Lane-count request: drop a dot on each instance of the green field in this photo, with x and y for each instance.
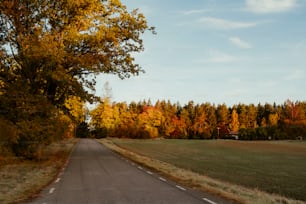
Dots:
(275, 167)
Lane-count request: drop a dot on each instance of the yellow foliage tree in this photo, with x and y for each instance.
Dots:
(150, 120)
(234, 124)
(76, 109)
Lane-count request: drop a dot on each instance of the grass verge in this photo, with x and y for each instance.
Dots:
(228, 190)
(21, 180)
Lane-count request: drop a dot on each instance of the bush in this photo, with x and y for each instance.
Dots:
(99, 133)
(8, 135)
(82, 130)
(33, 135)
(261, 133)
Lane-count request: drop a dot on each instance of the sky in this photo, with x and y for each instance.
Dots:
(218, 51)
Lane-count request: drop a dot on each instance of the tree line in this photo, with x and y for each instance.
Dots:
(199, 121)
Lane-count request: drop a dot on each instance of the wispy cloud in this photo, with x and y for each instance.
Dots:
(195, 11)
(295, 75)
(216, 56)
(240, 43)
(270, 6)
(219, 23)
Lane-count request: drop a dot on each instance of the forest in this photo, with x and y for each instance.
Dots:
(199, 121)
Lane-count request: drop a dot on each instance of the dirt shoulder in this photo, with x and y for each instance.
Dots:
(21, 180)
(232, 192)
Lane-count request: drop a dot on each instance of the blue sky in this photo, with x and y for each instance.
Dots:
(218, 51)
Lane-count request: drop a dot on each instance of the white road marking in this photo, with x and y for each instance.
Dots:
(139, 167)
(51, 190)
(180, 187)
(149, 172)
(161, 178)
(57, 180)
(209, 201)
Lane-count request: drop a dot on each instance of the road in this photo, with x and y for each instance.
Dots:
(96, 175)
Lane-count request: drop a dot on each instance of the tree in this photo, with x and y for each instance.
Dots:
(184, 123)
(273, 119)
(200, 123)
(107, 91)
(56, 45)
(252, 114)
(293, 110)
(222, 114)
(243, 116)
(75, 109)
(150, 120)
(234, 124)
(103, 118)
(53, 50)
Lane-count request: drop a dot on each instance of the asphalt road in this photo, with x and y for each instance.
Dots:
(94, 174)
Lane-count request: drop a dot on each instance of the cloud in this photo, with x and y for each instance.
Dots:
(216, 56)
(240, 43)
(295, 75)
(270, 6)
(224, 24)
(196, 11)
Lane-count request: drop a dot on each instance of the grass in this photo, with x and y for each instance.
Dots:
(273, 167)
(21, 180)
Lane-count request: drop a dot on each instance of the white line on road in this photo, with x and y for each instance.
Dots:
(57, 180)
(149, 172)
(161, 178)
(209, 201)
(139, 167)
(51, 190)
(180, 187)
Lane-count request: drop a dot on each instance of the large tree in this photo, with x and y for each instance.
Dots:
(51, 51)
(56, 47)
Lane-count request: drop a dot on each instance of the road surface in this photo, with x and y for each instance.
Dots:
(96, 175)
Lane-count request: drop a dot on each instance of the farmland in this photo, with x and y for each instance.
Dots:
(276, 167)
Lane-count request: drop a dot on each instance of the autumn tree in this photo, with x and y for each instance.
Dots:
(251, 115)
(52, 50)
(74, 115)
(150, 120)
(222, 114)
(243, 115)
(293, 111)
(234, 123)
(200, 125)
(103, 117)
(211, 119)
